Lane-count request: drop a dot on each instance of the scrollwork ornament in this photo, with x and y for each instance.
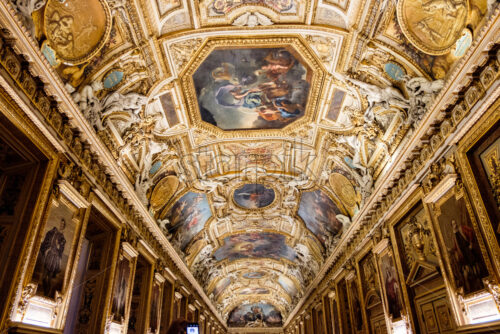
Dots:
(28, 292)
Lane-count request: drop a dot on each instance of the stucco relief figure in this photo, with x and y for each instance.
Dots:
(377, 96)
(89, 104)
(422, 92)
(51, 252)
(117, 102)
(26, 8)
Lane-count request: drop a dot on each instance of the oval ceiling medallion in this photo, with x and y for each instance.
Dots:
(254, 196)
(164, 191)
(433, 26)
(76, 30)
(344, 189)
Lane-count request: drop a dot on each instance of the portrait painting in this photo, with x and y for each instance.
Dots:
(357, 316)
(319, 213)
(120, 289)
(168, 106)
(55, 250)
(336, 105)
(287, 285)
(188, 217)
(254, 275)
(460, 241)
(255, 315)
(484, 159)
(253, 88)
(253, 291)
(253, 196)
(390, 283)
(154, 317)
(221, 286)
(255, 245)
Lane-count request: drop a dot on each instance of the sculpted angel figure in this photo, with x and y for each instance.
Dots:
(26, 8)
(88, 103)
(117, 102)
(422, 92)
(380, 96)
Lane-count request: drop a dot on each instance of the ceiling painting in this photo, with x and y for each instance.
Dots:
(254, 132)
(254, 196)
(253, 275)
(255, 315)
(258, 88)
(187, 217)
(253, 291)
(255, 245)
(319, 213)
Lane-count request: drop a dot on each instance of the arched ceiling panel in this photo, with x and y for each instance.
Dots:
(254, 133)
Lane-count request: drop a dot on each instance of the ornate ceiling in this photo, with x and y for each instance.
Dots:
(254, 131)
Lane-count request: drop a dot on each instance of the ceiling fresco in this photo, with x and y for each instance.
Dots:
(251, 88)
(254, 132)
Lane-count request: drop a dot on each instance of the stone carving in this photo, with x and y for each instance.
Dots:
(143, 180)
(376, 96)
(422, 92)
(305, 260)
(116, 102)
(183, 50)
(26, 8)
(252, 19)
(88, 103)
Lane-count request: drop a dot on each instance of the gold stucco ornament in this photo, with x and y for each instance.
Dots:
(77, 30)
(433, 26)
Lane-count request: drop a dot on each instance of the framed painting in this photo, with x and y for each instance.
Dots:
(255, 315)
(122, 287)
(356, 311)
(252, 88)
(319, 213)
(254, 246)
(58, 246)
(188, 217)
(461, 244)
(254, 196)
(391, 287)
(479, 161)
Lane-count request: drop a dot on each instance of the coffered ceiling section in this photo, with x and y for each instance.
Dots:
(254, 131)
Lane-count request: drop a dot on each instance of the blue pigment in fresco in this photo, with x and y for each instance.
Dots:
(463, 44)
(319, 213)
(253, 196)
(112, 79)
(263, 88)
(394, 71)
(255, 245)
(188, 217)
(50, 55)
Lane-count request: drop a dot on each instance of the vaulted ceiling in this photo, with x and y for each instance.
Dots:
(254, 130)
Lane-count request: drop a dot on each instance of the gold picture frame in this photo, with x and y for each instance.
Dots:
(488, 123)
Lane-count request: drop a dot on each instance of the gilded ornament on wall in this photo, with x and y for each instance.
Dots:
(433, 26)
(77, 30)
